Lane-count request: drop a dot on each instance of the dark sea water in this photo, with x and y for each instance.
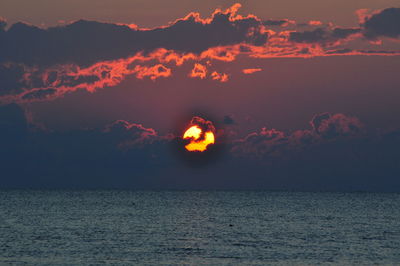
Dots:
(198, 227)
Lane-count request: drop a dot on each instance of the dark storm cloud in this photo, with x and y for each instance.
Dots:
(386, 23)
(322, 35)
(86, 42)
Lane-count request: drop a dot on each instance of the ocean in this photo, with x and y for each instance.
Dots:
(114, 227)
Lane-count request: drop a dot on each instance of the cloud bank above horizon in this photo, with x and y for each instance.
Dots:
(39, 64)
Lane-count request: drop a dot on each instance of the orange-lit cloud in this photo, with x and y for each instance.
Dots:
(224, 36)
(251, 70)
(315, 23)
(221, 77)
(153, 72)
(198, 71)
(230, 13)
(100, 41)
(59, 80)
(278, 22)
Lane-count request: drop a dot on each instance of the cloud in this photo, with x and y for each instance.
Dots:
(315, 23)
(40, 94)
(278, 22)
(25, 84)
(323, 35)
(385, 23)
(272, 142)
(316, 35)
(251, 70)
(44, 158)
(126, 155)
(88, 42)
(153, 72)
(221, 77)
(39, 64)
(204, 124)
(198, 71)
(336, 125)
(128, 134)
(260, 144)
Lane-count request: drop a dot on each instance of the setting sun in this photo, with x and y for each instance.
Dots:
(197, 141)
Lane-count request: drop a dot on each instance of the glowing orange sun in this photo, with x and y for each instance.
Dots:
(198, 140)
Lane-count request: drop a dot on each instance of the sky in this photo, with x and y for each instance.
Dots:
(300, 95)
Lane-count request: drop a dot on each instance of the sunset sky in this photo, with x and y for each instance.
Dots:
(301, 95)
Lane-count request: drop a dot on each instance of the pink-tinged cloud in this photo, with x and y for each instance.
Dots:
(362, 15)
(325, 127)
(329, 126)
(251, 70)
(259, 144)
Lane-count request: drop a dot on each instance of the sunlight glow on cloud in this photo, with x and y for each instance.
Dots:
(37, 71)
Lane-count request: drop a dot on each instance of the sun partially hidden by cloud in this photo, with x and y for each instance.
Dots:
(200, 134)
